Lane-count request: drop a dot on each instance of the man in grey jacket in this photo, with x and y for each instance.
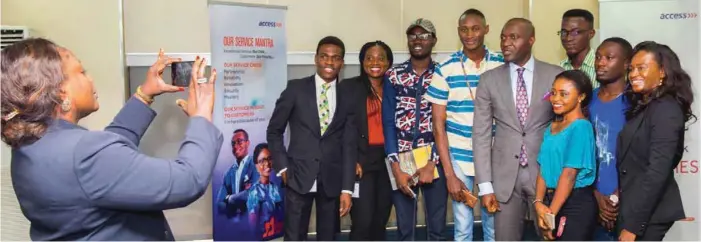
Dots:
(512, 96)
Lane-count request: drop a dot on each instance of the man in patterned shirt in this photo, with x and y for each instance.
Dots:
(576, 33)
(452, 93)
(406, 120)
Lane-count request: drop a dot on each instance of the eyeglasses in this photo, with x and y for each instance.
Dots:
(574, 33)
(424, 36)
(266, 159)
(238, 141)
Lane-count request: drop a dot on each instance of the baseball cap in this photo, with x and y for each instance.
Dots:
(424, 24)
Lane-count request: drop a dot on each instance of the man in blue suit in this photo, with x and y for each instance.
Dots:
(231, 199)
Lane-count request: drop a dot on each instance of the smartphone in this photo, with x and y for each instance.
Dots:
(550, 220)
(181, 72)
(470, 199)
(413, 195)
(614, 199)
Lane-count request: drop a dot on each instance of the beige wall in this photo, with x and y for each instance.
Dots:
(546, 15)
(91, 29)
(148, 23)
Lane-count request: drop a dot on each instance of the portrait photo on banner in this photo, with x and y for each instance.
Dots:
(249, 196)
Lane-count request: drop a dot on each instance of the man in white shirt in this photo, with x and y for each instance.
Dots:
(318, 166)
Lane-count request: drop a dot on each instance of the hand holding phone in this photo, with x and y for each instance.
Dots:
(470, 199)
(550, 220)
(614, 199)
(413, 195)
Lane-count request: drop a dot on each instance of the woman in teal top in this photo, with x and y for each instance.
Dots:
(568, 163)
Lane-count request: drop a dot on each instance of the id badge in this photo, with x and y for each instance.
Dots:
(356, 190)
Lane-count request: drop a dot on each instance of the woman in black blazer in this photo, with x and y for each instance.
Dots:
(651, 143)
(371, 210)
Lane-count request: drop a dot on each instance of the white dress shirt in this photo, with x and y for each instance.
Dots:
(527, 78)
(331, 98)
(486, 187)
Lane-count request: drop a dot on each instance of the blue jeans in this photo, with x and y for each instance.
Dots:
(435, 197)
(601, 234)
(464, 216)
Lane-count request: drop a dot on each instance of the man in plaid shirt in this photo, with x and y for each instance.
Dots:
(406, 120)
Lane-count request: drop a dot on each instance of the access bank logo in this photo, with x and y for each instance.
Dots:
(678, 16)
(270, 24)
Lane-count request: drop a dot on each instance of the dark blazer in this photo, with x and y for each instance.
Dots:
(360, 94)
(649, 147)
(76, 184)
(329, 157)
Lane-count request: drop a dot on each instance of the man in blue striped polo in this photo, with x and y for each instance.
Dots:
(452, 93)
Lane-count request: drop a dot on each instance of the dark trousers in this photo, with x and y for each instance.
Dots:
(370, 212)
(298, 209)
(576, 220)
(655, 232)
(435, 197)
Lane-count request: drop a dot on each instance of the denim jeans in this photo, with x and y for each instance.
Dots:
(464, 216)
(601, 234)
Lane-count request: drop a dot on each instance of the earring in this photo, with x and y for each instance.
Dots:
(66, 105)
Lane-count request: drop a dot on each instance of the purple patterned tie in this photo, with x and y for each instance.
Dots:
(522, 111)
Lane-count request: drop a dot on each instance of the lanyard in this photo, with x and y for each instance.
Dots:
(469, 87)
(462, 64)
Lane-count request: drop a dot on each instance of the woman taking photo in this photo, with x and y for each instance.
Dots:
(567, 161)
(371, 210)
(75, 184)
(651, 143)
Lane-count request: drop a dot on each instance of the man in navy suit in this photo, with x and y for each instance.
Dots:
(232, 195)
(318, 167)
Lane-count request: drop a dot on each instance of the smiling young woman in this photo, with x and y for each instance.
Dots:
(568, 163)
(371, 210)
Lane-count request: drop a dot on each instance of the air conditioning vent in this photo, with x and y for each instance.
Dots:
(12, 34)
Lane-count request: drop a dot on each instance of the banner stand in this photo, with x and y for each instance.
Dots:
(248, 50)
